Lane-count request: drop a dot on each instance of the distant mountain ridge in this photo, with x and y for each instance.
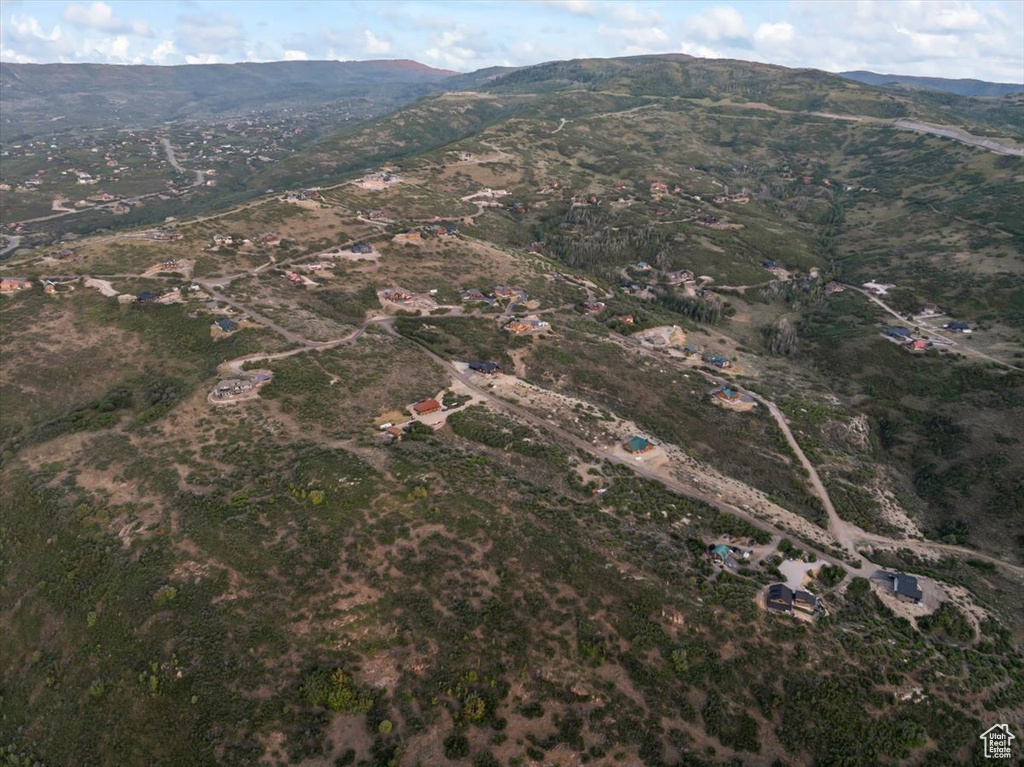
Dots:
(98, 94)
(961, 87)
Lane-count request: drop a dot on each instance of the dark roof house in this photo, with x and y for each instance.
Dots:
(780, 598)
(898, 332)
(227, 325)
(805, 601)
(905, 587)
(489, 368)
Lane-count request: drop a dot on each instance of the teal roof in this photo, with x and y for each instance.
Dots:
(637, 444)
(722, 551)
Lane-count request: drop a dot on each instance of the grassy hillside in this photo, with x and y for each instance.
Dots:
(278, 579)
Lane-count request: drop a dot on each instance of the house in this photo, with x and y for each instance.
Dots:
(361, 247)
(517, 207)
(769, 264)
(295, 279)
(12, 284)
(473, 295)
(426, 406)
(504, 291)
(518, 327)
(223, 239)
(733, 399)
(806, 602)
(905, 588)
(226, 325)
(833, 287)
(592, 307)
(719, 553)
(146, 297)
(232, 387)
(395, 295)
(919, 346)
(898, 334)
(269, 238)
(676, 278)
(957, 326)
(638, 445)
(658, 187)
(65, 254)
(487, 368)
(626, 319)
(535, 247)
(375, 215)
(394, 431)
(779, 598)
(690, 349)
(642, 265)
(717, 360)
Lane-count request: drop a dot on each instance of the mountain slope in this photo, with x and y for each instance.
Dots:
(961, 87)
(98, 94)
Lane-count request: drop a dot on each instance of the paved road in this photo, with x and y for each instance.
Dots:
(173, 160)
(963, 137)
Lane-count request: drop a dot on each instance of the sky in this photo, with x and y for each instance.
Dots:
(983, 39)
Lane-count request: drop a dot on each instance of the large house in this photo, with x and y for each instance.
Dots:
(781, 598)
(12, 284)
(638, 445)
(423, 407)
(733, 399)
(487, 368)
(905, 588)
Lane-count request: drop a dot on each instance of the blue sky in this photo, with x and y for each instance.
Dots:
(923, 37)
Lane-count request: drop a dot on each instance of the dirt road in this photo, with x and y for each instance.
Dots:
(967, 350)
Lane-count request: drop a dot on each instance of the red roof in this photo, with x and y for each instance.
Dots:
(427, 406)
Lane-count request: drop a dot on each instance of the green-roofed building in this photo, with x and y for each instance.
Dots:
(638, 445)
(720, 553)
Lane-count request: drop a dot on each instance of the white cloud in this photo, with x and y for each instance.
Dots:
(214, 33)
(100, 16)
(163, 51)
(113, 48)
(294, 55)
(700, 51)
(636, 40)
(13, 56)
(203, 58)
(579, 7)
(779, 33)
(635, 14)
(374, 45)
(28, 26)
(720, 22)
